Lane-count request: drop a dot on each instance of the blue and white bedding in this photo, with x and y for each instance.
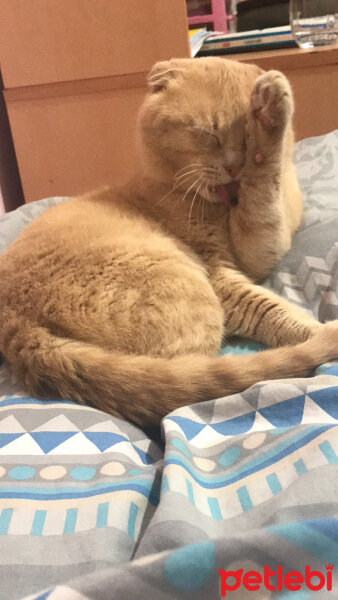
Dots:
(94, 508)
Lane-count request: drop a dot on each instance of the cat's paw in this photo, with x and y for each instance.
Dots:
(271, 100)
(324, 344)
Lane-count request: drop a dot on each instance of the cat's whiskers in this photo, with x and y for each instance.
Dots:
(199, 203)
(174, 207)
(188, 190)
(203, 200)
(185, 174)
(205, 181)
(181, 199)
(204, 170)
(183, 178)
(208, 184)
(164, 197)
(206, 198)
(189, 178)
(193, 201)
(173, 189)
(188, 167)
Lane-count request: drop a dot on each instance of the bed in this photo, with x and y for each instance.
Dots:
(94, 508)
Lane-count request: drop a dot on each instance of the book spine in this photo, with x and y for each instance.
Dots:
(258, 41)
(235, 50)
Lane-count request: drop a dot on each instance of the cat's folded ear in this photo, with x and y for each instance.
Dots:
(161, 74)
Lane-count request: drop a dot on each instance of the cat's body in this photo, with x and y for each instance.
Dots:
(121, 298)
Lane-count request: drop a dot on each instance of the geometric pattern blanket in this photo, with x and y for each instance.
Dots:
(235, 497)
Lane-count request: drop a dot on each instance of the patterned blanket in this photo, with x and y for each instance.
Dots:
(235, 498)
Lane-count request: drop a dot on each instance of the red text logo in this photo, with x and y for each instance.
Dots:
(276, 580)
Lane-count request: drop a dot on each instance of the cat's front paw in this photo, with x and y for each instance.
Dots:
(271, 100)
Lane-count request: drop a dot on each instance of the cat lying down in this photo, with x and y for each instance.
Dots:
(121, 298)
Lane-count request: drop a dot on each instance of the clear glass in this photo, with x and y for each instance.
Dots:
(314, 22)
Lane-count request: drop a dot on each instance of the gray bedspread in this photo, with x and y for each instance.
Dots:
(92, 508)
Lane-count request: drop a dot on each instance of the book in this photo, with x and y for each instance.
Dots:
(197, 37)
(259, 39)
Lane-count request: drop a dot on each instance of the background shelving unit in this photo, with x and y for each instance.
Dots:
(217, 16)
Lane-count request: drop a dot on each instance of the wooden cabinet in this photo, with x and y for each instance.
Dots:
(74, 77)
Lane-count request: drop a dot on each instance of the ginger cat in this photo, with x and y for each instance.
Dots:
(121, 298)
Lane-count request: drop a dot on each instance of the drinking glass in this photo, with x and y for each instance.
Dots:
(314, 22)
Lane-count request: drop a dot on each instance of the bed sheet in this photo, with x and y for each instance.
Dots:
(92, 507)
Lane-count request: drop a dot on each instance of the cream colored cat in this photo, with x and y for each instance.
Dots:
(121, 298)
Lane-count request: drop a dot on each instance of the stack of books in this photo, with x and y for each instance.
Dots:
(259, 39)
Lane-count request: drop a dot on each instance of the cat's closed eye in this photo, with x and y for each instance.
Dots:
(206, 139)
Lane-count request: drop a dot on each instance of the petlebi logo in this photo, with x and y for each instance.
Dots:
(275, 580)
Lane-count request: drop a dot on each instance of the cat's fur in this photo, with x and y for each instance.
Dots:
(121, 298)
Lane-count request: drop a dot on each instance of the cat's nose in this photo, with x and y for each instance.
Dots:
(232, 170)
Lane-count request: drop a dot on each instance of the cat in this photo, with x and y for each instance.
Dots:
(121, 298)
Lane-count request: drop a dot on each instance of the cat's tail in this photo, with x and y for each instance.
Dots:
(144, 389)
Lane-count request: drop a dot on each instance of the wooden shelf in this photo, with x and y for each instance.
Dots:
(313, 75)
(290, 58)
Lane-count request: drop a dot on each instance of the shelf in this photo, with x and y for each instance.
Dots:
(291, 58)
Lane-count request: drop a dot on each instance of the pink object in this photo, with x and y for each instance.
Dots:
(218, 17)
(259, 158)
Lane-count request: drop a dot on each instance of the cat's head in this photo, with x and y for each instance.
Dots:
(192, 123)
